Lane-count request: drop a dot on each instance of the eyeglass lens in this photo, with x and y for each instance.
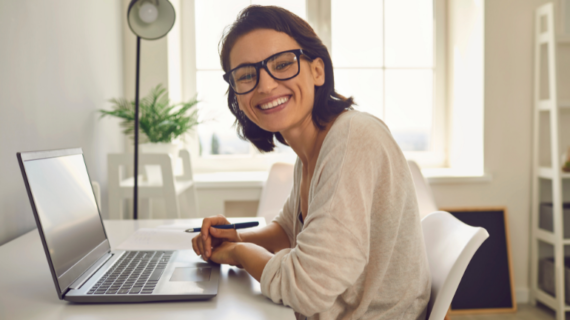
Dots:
(281, 67)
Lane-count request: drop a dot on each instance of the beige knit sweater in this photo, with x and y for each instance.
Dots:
(360, 252)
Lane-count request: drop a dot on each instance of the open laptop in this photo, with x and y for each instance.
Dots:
(83, 266)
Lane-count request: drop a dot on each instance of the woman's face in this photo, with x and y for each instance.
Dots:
(276, 105)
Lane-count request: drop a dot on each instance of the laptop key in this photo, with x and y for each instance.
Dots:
(156, 275)
(123, 291)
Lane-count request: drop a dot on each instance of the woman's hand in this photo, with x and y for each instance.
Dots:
(225, 253)
(210, 237)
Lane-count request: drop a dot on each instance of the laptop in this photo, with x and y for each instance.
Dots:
(82, 264)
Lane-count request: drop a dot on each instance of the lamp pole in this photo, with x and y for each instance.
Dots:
(136, 185)
(150, 20)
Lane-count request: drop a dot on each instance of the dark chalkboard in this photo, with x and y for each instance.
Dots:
(487, 285)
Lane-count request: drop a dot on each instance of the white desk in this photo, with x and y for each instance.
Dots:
(27, 290)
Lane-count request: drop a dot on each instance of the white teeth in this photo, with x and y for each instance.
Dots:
(274, 103)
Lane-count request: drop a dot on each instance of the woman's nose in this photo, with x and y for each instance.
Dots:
(266, 82)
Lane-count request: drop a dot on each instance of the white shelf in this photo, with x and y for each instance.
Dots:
(545, 105)
(554, 107)
(545, 236)
(546, 298)
(548, 173)
(548, 237)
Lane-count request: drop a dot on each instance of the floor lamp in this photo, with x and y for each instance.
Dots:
(149, 20)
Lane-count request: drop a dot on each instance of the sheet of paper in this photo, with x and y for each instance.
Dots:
(179, 227)
(158, 239)
(197, 223)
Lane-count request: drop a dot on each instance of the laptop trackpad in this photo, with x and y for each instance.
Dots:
(191, 274)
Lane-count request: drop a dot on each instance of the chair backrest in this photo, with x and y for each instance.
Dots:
(450, 245)
(426, 201)
(276, 190)
(118, 162)
(161, 183)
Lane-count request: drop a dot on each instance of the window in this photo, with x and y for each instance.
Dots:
(388, 55)
(391, 70)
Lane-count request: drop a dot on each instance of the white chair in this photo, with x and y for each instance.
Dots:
(450, 245)
(165, 185)
(426, 201)
(275, 191)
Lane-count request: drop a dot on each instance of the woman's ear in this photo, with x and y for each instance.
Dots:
(318, 71)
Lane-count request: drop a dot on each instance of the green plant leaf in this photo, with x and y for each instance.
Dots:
(159, 121)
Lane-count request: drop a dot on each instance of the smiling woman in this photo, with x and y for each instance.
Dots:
(348, 241)
(275, 27)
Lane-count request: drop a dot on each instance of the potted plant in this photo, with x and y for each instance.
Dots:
(160, 123)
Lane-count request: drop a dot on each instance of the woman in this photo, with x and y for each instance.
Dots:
(348, 242)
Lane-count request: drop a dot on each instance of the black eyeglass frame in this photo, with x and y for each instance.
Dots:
(263, 64)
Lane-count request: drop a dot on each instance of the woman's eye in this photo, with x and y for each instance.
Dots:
(282, 65)
(246, 77)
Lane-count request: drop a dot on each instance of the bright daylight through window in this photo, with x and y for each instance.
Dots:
(383, 55)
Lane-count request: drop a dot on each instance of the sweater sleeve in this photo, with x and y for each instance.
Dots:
(333, 248)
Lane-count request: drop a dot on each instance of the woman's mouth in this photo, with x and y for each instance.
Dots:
(274, 103)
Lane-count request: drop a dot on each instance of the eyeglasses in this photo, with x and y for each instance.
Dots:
(280, 66)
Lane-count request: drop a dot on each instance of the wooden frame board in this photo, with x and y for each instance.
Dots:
(487, 264)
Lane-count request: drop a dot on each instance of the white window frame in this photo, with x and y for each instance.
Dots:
(319, 16)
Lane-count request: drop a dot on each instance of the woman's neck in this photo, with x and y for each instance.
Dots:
(306, 140)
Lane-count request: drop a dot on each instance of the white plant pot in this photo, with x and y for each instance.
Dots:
(171, 148)
(153, 172)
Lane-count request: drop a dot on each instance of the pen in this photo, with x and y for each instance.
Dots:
(240, 225)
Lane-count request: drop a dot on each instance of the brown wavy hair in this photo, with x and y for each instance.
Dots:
(328, 103)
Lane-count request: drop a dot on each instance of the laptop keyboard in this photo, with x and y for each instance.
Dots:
(137, 272)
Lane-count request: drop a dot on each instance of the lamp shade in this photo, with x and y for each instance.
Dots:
(151, 19)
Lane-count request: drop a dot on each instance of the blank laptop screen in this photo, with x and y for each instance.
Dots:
(66, 206)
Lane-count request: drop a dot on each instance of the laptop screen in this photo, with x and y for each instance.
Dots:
(66, 207)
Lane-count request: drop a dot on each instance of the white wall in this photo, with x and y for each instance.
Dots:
(60, 61)
(508, 79)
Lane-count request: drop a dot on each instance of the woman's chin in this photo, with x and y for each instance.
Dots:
(272, 125)
(272, 128)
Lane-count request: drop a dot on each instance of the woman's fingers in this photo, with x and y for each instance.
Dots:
(226, 234)
(212, 221)
(208, 246)
(205, 233)
(196, 245)
(212, 237)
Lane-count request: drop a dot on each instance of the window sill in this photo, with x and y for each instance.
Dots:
(232, 179)
(256, 179)
(450, 176)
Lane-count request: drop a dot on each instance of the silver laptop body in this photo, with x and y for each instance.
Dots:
(82, 264)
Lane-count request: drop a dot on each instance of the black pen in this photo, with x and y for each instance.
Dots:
(240, 225)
